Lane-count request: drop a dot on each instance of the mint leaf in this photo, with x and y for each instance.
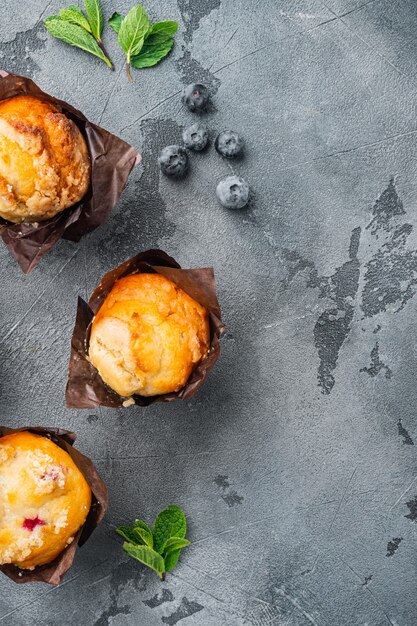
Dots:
(73, 7)
(172, 550)
(75, 17)
(152, 54)
(160, 548)
(141, 524)
(173, 544)
(161, 31)
(95, 17)
(74, 35)
(132, 33)
(158, 43)
(144, 535)
(171, 560)
(171, 522)
(147, 556)
(115, 21)
(130, 535)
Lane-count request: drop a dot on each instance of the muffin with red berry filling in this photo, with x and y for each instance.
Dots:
(44, 500)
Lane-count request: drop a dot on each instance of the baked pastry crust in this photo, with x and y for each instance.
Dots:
(44, 500)
(148, 336)
(44, 160)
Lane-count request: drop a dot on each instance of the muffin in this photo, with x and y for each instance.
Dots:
(44, 500)
(148, 336)
(44, 160)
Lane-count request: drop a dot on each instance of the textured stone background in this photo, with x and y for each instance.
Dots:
(296, 463)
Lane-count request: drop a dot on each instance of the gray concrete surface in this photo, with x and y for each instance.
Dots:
(296, 463)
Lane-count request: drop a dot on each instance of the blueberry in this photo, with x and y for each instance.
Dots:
(195, 97)
(233, 192)
(195, 137)
(173, 161)
(228, 144)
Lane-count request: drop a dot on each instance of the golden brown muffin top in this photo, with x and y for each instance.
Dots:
(148, 336)
(44, 500)
(44, 161)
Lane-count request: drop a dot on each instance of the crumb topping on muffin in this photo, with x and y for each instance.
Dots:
(44, 161)
(44, 500)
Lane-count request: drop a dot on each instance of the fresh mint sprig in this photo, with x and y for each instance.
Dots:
(72, 26)
(160, 547)
(144, 44)
(132, 33)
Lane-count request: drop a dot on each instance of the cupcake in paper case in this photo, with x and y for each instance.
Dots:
(150, 333)
(51, 498)
(60, 174)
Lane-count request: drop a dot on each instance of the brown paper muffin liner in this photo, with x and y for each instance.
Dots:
(53, 572)
(112, 160)
(85, 388)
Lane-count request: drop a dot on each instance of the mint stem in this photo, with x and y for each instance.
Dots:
(162, 577)
(103, 49)
(129, 75)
